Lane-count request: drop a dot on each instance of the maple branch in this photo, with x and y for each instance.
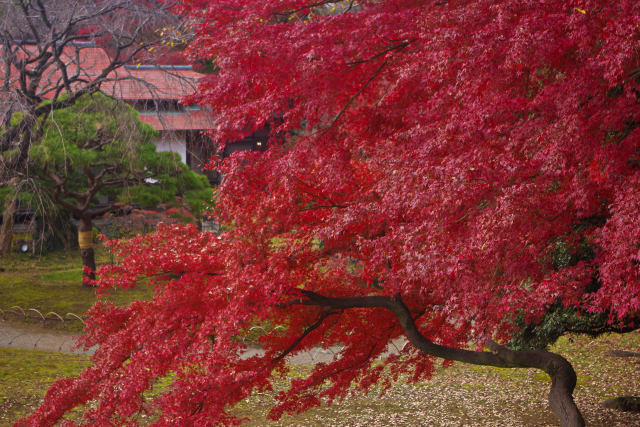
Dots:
(363, 360)
(311, 6)
(313, 208)
(563, 376)
(537, 213)
(399, 46)
(317, 196)
(350, 101)
(306, 332)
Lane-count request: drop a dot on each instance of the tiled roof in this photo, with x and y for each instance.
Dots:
(152, 83)
(89, 60)
(187, 120)
(130, 82)
(135, 83)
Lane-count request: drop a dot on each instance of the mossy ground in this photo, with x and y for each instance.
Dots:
(460, 395)
(52, 283)
(25, 376)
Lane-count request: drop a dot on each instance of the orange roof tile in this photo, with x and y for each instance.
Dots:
(128, 83)
(187, 120)
(151, 82)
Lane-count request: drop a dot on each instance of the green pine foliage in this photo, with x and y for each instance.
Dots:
(99, 133)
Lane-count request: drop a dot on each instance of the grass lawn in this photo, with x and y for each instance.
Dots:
(53, 283)
(460, 395)
(25, 376)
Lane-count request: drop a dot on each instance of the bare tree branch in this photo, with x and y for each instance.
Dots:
(306, 332)
(41, 45)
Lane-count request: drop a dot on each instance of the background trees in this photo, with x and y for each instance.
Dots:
(465, 169)
(43, 56)
(95, 153)
(41, 44)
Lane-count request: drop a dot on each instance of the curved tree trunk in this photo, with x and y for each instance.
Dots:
(563, 376)
(86, 251)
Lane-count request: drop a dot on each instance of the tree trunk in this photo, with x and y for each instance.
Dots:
(6, 232)
(85, 240)
(563, 376)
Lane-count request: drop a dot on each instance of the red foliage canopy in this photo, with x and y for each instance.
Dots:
(430, 158)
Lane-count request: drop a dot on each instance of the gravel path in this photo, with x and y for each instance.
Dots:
(29, 337)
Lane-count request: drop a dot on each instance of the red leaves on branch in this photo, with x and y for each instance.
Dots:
(440, 151)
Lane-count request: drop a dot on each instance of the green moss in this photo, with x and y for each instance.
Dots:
(73, 275)
(53, 283)
(25, 376)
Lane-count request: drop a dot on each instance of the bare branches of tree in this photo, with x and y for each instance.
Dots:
(53, 52)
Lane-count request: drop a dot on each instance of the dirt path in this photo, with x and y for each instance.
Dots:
(28, 337)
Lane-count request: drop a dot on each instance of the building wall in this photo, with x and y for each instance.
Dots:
(172, 141)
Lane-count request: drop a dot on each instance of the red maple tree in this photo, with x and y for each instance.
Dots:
(431, 158)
